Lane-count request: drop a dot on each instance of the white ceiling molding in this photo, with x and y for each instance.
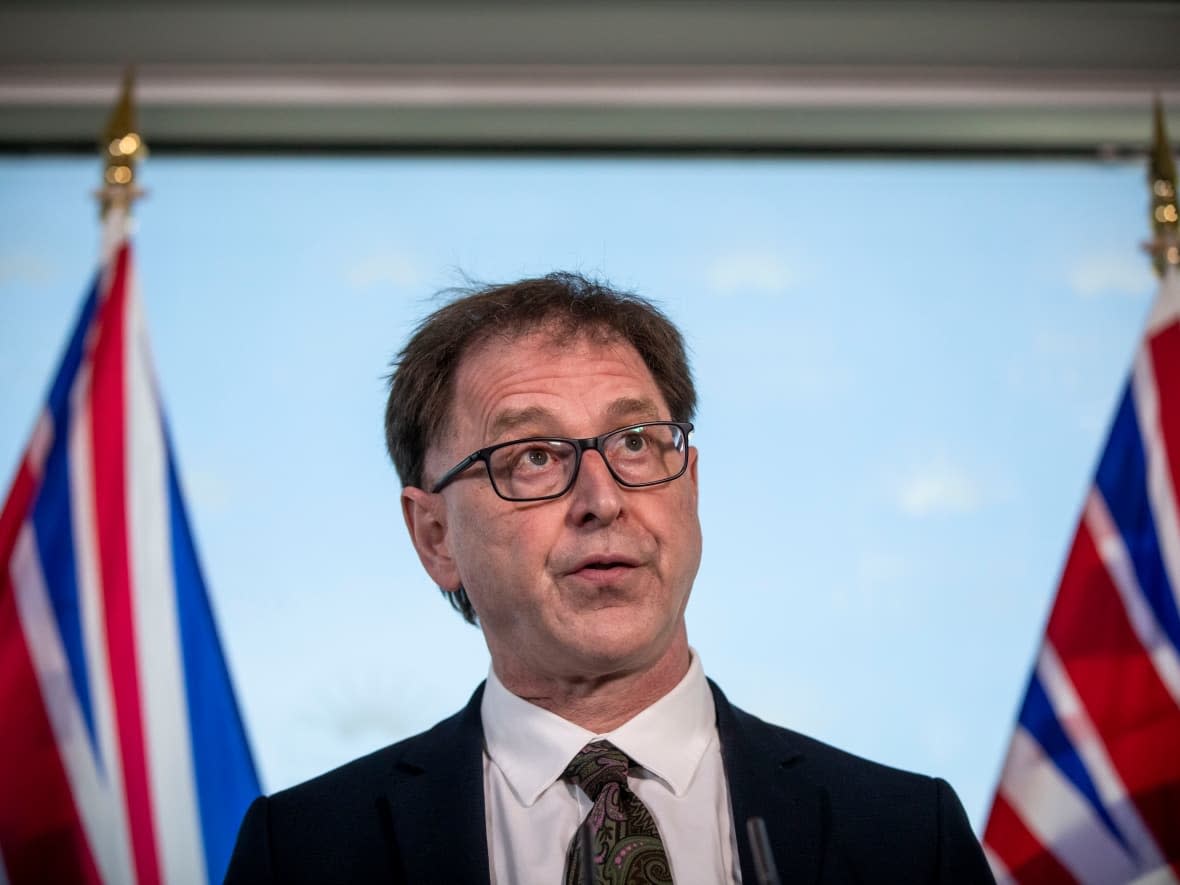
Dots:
(1072, 76)
(578, 86)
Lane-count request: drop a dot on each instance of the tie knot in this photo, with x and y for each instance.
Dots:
(597, 765)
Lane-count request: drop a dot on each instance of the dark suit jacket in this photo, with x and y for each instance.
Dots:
(414, 813)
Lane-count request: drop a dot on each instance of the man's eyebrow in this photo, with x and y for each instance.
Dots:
(623, 410)
(633, 408)
(510, 420)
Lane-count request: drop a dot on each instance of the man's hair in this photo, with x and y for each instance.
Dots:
(566, 305)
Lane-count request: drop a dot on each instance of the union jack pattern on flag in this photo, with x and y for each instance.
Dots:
(1090, 788)
(122, 752)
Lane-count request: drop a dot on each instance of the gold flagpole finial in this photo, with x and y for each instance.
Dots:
(1161, 173)
(122, 149)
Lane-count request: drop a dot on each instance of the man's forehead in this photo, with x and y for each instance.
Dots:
(506, 349)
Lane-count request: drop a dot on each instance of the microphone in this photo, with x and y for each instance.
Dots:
(764, 867)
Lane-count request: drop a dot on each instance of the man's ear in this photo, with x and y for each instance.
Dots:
(426, 519)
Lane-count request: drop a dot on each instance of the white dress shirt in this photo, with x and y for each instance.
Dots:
(532, 814)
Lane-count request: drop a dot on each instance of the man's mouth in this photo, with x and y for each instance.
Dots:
(603, 570)
(604, 562)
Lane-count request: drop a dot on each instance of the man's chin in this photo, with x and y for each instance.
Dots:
(616, 640)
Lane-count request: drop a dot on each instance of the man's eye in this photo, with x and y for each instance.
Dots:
(537, 457)
(534, 459)
(634, 442)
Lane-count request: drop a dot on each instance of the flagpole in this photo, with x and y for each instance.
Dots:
(1164, 246)
(121, 148)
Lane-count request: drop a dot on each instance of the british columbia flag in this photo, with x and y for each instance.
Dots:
(123, 758)
(1090, 788)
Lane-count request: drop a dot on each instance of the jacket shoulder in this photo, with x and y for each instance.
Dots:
(339, 826)
(832, 766)
(876, 822)
(816, 760)
(359, 778)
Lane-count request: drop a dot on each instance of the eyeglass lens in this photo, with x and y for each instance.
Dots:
(637, 456)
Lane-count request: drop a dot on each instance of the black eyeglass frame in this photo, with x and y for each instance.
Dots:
(588, 444)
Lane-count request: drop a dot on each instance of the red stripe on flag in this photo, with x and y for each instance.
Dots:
(1164, 350)
(20, 499)
(1120, 689)
(41, 835)
(1022, 853)
(108, 430)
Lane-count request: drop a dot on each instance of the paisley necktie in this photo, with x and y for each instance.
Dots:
(627, 849)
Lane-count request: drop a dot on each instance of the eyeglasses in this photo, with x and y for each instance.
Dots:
(538, 468)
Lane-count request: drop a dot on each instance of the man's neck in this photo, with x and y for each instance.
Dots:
(602, 703)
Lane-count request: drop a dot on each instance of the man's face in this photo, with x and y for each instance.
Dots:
(588, 585)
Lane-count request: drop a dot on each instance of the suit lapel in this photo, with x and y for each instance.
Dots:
(436, 802)
(766, 779)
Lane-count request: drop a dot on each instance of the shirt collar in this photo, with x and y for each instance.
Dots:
(532, 746)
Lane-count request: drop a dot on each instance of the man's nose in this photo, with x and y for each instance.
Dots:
(595, 495)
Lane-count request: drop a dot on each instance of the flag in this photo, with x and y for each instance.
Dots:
(123, 757)
(1090, 787)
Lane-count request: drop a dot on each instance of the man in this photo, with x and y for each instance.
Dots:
(540, 431)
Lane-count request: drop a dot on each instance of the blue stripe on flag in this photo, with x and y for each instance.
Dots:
(55, 545)
(1122, 479)
(222, 764)
(59, 394)
(53, 524)
(1039, 720)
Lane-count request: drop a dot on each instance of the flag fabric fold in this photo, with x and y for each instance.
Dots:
(123, 757)
(1090, 787)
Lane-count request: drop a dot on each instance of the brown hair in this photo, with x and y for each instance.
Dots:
(421, 385)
